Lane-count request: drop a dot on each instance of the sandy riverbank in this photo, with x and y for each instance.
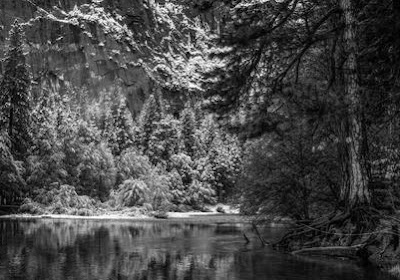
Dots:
(230, 215)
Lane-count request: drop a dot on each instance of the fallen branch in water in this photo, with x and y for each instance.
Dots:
(352, 252)
(245, 237)
(263, 242)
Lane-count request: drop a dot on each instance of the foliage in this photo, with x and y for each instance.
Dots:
(205, 134)
(395, 270)
(31, 207)
(224, 160)
(164, 141)
(297, 177)
(46, 169)
(142, 184)
(159, 186)
(64, 195)
(188, 130)
(199, 193)
(14, 94)
(160, 162)
(187, 184)
(151, 114)
(57, 199)
(68, 149)
(56, 151)
(11, 180)
(131, 192)
(185, 166)
(177, 188)
(303, 63)
(118, 127)
(96, 171)
(76, 149)
(132, 164)
(151, 190)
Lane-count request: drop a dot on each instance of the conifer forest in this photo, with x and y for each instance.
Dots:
(271, 111)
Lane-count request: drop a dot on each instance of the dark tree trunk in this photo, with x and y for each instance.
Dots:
(354, 190)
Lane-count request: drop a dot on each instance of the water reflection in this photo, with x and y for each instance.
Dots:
(87, 249)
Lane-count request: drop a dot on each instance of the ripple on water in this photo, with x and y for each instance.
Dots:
(90, 249)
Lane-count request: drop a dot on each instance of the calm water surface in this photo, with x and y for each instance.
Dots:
(89, 249)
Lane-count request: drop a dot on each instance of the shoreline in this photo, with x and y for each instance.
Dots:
(172, 216)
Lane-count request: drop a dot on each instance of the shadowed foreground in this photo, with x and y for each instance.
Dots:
(89, 249)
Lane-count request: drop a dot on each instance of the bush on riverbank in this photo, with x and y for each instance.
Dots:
(60, 199)
(31, 207)
(144, 196)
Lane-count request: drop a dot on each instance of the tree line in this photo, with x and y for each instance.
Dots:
(64, 150)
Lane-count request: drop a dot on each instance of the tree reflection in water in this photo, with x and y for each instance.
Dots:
(88, 249)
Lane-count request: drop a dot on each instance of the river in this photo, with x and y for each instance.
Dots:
(89, 249)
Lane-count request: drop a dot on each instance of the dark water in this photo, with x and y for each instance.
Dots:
(87, 249)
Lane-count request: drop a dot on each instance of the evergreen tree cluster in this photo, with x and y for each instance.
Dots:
(57, 145)
(66, 146)
(158, 163)
(14, 87)
(15, 134)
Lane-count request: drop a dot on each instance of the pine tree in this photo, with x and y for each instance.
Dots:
(14, 94)
(11, 181)
(121, 136)
(188, 138)
(152, 113)
(164, 140)
(205, 135)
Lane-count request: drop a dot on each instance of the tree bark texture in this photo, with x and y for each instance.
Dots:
(354, 189)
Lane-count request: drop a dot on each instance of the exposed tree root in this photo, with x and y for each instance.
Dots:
(362, 233)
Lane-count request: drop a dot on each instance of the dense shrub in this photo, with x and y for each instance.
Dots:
(132, 192)
(163, 142)
(31, 207)
(63, 195)
(160, 190)
(177, 189)
(57, 199)
(185, 166)
(132, 164)
(46, 169)
(198, 194)
(97, 171)
(151, 190)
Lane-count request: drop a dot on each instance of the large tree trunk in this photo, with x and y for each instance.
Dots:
(354, 189)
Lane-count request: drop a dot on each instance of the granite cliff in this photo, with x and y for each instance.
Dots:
(132, 45)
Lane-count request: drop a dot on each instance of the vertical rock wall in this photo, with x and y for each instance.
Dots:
(96, 45)
(80, 54)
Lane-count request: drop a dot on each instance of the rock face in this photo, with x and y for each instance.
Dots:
(96, 45)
